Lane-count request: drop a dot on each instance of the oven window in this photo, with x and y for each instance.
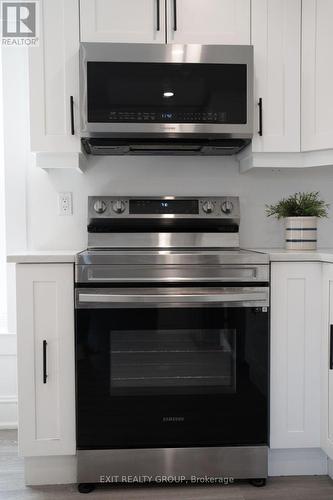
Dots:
(178, 359)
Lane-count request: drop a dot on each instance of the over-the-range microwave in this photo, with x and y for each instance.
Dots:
(165, 99)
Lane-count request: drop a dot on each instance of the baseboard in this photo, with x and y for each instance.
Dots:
(297, 462)
(8, 389)
(8, 412)
(50, 470)
(330, 468)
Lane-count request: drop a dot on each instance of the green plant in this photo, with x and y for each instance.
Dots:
(299, 205)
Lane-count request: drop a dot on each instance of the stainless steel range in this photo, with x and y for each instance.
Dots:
(172, 343)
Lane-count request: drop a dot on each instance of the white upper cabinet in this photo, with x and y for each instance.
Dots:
(123, 21)
(209, 21)
(317, 75)
(296, 319)
(46, 364)
(187, 21)
(276, 32)
(54, 80)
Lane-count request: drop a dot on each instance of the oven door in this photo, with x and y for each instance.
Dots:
(171, 367)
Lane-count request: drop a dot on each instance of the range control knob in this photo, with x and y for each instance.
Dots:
(208, 207)
(99, 206)
(118, 206)
(227, 207)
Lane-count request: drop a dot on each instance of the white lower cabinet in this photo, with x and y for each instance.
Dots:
(296, 314)
(327, 363)
(46, 368)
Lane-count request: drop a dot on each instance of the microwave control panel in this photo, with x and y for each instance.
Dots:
(167, 117)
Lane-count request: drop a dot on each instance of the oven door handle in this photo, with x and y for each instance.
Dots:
(114, 298)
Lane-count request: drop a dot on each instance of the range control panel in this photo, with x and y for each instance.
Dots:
(224, 207)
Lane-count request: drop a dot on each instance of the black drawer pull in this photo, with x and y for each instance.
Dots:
(72, 115)
(331, 348)
(260, 116)
(174, 15)
(44, 362)
(158, 27)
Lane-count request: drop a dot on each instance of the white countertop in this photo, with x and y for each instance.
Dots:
(42, 256)
(282, 255)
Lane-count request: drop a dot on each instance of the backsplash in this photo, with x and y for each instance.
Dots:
(153, 176)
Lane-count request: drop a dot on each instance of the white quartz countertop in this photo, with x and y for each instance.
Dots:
(42, 256)
(282, 255)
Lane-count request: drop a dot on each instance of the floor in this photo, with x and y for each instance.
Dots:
(283, 488)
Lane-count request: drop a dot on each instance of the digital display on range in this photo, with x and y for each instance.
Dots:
(163, 207)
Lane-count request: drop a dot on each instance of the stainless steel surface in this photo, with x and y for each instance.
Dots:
(232, 217)
(172, 297)
(163, 240)
(186, 258)
(168, 273)
(209, 207)
(172, 53)
(219, 462)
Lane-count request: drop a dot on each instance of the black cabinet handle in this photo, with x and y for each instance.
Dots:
(72, 115)
(158, 15)
(331, 348)
(174, 15)
(44, 362)
(260, 116)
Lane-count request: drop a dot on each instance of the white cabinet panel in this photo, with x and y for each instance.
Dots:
(46, 314)
(53, 76)
(295, 355)
(317, 75)
(327, 372)
(276, 32)
(123, 21)
(209, 21)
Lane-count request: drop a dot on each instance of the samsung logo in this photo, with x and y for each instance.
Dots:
(173, 419)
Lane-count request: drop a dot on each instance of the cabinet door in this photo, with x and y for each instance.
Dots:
(46, 314)
(122, 21)
(276, 31)
(53, 75)
(209, 21)
(327, 371)
(317, 75)
(295, 355)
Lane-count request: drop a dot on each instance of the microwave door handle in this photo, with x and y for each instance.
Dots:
(183, 298)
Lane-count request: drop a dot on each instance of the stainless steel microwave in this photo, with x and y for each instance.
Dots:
(165, 99)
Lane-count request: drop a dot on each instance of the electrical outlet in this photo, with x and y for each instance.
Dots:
(65, 204)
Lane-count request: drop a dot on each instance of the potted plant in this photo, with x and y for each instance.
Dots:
(300, 212)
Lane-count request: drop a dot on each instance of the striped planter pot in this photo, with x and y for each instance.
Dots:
(301, 233)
